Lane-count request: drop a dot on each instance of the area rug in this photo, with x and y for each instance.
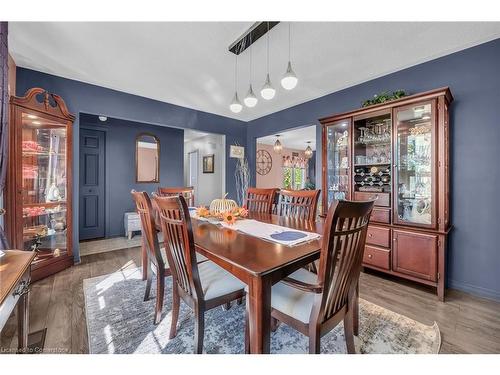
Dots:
(119, 321)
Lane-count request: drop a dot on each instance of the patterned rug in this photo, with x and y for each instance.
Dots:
(119, 321)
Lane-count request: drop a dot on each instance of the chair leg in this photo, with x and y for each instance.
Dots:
(275, 323)
(176, 302)
(314, 342)
(199, 330)
(145, 260)
(349, 332)
(160, 292)
(355, 312)
(149, 275)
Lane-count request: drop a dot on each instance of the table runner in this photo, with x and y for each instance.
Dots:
(271, 232)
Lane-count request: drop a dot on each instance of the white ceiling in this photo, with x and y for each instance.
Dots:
(295, 139)
(190, 135)
(187, 63)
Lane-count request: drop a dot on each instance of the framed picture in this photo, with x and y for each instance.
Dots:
(237, 152)
(208, 164)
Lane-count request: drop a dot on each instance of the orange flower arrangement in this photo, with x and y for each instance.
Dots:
(229, 217)
(240, 212)
(202, 212)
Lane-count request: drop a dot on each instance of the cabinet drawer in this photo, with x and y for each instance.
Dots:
(381, 199)
(377, 257)
(381, 215)
(378, 236)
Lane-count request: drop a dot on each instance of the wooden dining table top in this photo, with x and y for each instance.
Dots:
(251, 254)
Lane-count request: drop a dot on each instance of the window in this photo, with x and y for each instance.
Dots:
(294, 178)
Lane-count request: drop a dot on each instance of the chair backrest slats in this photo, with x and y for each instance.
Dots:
(300, 204)
(145, 210)
(260, 200)
(179, 243)
(341, 255)
(187, 192)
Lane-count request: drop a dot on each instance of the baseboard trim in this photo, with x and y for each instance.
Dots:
(474, 289)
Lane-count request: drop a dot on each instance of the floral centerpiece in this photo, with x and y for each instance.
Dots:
(229, 216)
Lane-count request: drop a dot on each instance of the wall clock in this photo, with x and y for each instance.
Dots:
(264, 162)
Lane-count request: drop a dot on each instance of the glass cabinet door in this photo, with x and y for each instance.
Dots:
(415, 166)
(338, 161)
(44, 185)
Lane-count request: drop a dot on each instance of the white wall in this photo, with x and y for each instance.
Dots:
(210, 185)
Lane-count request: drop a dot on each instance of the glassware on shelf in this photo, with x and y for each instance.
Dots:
(44, 169)
(414, 167)
(375, 132)
(338, 156)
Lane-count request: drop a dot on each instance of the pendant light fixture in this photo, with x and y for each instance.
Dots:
(278, 147)
(308, 152)
(236, 105)
(250, 99)
(267, 91)
(289, 80)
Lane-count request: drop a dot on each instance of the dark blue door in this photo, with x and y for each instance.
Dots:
(92, 184)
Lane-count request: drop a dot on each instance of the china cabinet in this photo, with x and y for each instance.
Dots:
(396, 153)
(39, 180)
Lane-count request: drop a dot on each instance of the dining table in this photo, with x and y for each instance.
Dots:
(258, 263)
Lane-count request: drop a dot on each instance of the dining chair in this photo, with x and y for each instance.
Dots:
(156, 255)
(300, 204)
(314, 304)
(260, 200)
(202, 286)
(187, 192)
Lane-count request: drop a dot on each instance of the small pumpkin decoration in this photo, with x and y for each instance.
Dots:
(219, 206)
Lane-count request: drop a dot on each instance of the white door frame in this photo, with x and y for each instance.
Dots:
(197, 156)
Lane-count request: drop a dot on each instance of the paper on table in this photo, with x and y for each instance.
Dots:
(269, 231)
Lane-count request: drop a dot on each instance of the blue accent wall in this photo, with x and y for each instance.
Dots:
(120, 164)
(83, 98)
(473, 76)
(474, 79)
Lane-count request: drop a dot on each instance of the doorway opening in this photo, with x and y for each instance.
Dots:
(205, 165)
(291, 166)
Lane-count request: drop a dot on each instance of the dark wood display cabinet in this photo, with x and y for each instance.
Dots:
(39, 180)
(396, 153)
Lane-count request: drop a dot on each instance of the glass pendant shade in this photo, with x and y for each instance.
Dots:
(278, 147)
(267, 91)
(250, 100)
(289, 80)
(308, 152)
(235, 105)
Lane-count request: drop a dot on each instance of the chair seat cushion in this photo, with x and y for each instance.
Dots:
(216, 282)
(294, 302)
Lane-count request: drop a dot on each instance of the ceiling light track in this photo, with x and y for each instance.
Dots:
(254, 33)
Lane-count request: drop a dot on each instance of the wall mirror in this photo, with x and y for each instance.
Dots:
(147, 158)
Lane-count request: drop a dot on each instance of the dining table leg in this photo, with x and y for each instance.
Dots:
(259, 314)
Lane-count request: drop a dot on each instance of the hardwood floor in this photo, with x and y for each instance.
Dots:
(468, 324)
